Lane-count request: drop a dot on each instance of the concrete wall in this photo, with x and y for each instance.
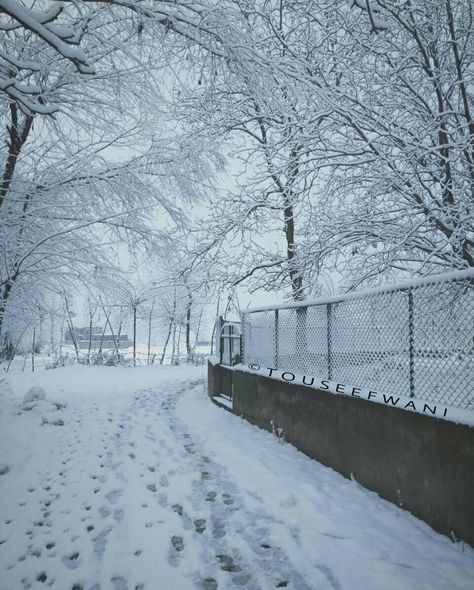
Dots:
(219, 379)
(424, 464)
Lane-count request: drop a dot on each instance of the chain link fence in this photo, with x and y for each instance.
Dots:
(414, 340)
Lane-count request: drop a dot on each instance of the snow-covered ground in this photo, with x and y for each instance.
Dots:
(130, 478)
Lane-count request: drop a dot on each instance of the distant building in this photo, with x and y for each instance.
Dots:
(203, 343)
(84, 335)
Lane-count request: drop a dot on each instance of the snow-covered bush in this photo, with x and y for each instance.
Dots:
(108, 359)
(61, 360)
(34, 394)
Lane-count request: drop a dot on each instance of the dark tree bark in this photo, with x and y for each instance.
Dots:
(18, 134)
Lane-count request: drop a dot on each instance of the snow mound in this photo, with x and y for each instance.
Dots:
(49, 412)
(34, 394)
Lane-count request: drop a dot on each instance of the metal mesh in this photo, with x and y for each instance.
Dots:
(415, 341)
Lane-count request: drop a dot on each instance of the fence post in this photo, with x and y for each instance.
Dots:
(221, 339)
(411, 343)
(301, 344)
(276, 339)
(328, 338)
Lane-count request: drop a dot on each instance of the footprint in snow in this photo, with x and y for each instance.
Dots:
(177, 546)
(114, 495)
(227, 563)
(104, 511)
(42, 577)
(72, 561)
(187, 524)
(227, 499)
(162, 500)
(190, 448)
(118, 515)
(100, 541)
(218, 528)
(200, 525)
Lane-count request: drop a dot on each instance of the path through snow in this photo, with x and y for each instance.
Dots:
(148, 486)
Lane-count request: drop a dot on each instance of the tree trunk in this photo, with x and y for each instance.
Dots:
(294, 274)
(90, 335)
(178, 345)
(3, 303)
(197, 330)
(170, 329)
(214, 326)
(102, 338)
(18, 136)
(33, 344)
(61, 334)
(173, 353)
(51, 344)
(71, 328)
(119, 333)
(166, 342)
(107, 321)
(16, 347)
(41, 328)
(134, 335)
(149, 331)
(188, 324)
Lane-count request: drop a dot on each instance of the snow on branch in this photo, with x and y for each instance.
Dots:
(378, 23)
(58, 38)
(64, 27)
(26, 95)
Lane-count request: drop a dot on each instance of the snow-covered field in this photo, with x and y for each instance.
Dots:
(130, 478)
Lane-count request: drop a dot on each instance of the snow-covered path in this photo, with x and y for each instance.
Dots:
(149, 486)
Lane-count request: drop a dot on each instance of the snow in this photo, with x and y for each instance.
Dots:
(148, 485)
(223, 401)
(54, 36)
(34, 394)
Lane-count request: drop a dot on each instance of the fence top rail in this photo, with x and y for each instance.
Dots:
(454, 276)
